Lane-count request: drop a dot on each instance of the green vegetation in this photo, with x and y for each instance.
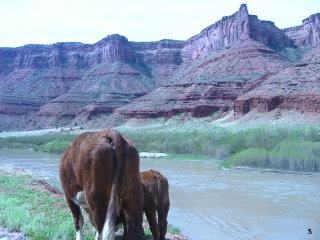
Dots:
(54, 146)
(35, 213)
(53, 143)
(174, 230)
(26, 206)
(224, 164)
(183, 156)
(296, 149)
(282, 148)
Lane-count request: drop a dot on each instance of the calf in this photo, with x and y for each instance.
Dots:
(156, 200)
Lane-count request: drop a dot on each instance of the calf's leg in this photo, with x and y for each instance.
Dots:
(162, 219)
(150, 212)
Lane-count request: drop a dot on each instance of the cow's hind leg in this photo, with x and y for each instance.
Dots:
(97, 203)
(152, 219)
(162, 219)
(77, 217)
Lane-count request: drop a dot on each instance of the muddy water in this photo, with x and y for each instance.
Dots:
(208, 203)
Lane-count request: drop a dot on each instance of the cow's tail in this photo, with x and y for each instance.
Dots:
(118, 144)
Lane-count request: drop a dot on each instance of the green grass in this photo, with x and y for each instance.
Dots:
(252, 157)
(53, 143)
(26, 207)
(174, 230)
(54, 146)
(279, 148)
(35, 213)
(224, 164)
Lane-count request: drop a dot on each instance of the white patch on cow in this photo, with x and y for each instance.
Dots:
(81, 199)
(79, 235)
(98, 236)
(108, 228)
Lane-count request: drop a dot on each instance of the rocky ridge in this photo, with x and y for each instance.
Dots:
(259, 67)
(239, 63)
(307, 34)
(63, 83)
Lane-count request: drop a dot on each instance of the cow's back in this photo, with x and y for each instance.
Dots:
(89, 156)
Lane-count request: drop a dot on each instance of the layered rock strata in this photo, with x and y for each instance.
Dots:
(239, 63)
(295, 87)
(64, 80)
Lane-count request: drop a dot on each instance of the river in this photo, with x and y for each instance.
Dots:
(212, 204)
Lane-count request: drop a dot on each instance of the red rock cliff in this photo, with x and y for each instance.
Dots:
(307, 34)
(236, 63)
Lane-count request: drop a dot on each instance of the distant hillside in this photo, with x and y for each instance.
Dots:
(239, 64)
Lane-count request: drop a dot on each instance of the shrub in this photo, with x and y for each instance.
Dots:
(252, 157)
(297, 156)
(55, 146)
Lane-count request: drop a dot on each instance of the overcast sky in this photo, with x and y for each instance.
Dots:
(49, 21)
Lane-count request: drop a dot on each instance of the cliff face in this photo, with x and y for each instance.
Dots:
(232, 29)
(223, 62)
(195, 99)
(239, 63)
(64, 80)
(307, 34)
(208, 85)
(222, 34)
(295, 87)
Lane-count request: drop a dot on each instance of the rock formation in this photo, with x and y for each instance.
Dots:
(239, 63)
(307, 34)
(230, 30)
(64, 82)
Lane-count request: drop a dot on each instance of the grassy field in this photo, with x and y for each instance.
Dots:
(296, 149)
(27, 205)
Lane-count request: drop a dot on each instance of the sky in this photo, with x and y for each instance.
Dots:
(88, 21)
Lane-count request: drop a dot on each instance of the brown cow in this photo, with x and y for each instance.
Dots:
(100, 172)
(156, 199)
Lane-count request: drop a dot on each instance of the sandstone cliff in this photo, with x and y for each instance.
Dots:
(307, 34)
(68, 81)
(295, 87)
(239, 63)
(224, 65)
(232, 29)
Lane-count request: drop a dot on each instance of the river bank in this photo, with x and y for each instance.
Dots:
(31, 206)
(283, 148)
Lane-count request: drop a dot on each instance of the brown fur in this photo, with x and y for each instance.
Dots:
(104, 165)
(156, 199)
